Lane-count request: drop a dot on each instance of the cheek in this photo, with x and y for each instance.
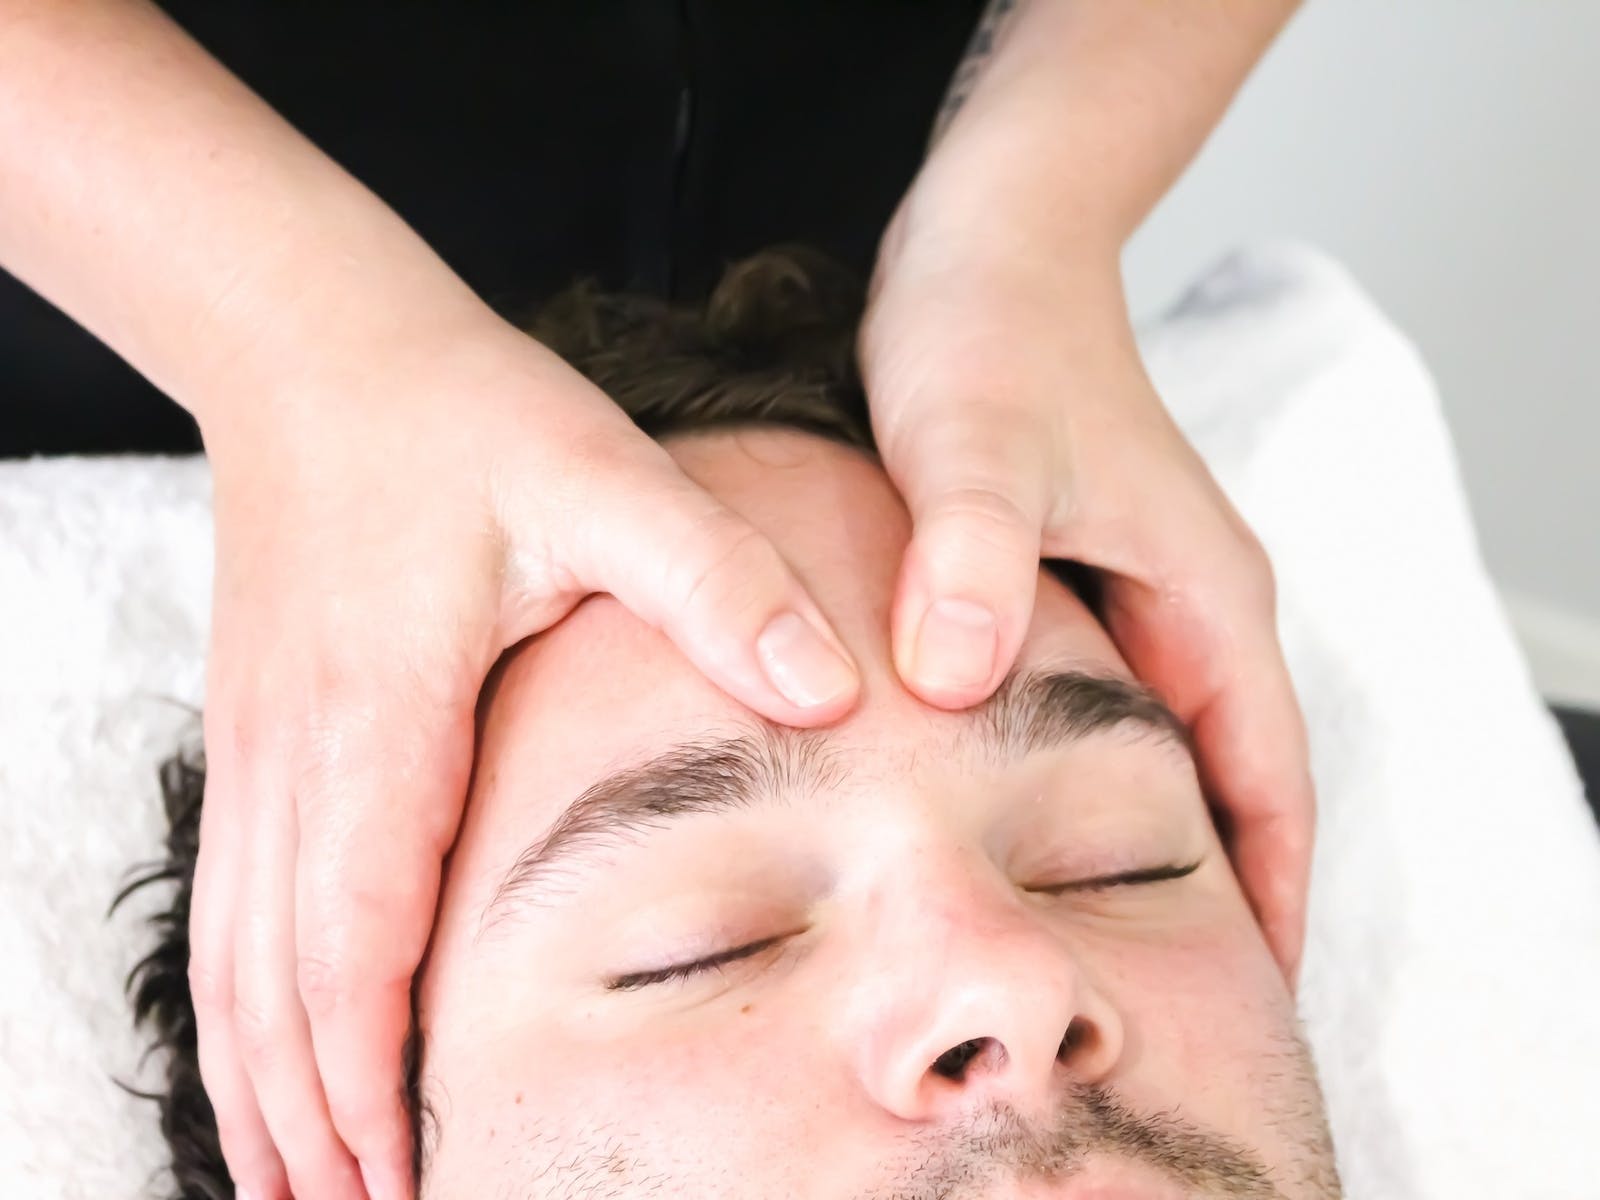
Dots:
(710, 1102)
(1207, 1022)
(737, 1078)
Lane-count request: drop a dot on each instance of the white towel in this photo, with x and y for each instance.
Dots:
(1452, 977)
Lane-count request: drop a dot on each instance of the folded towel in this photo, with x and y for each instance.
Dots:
(1452, 973)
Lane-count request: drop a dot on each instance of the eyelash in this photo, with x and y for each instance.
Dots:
(1135, 878)
(635, 980)
(678, 973)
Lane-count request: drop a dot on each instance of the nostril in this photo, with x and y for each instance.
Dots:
(1078, 1035)
(953, 1063)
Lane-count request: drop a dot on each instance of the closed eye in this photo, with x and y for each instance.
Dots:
(1135, 878)
(678, 972)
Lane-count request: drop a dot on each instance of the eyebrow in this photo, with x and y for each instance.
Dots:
(1031, 712)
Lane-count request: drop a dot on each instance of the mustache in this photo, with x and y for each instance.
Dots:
(997, 1143)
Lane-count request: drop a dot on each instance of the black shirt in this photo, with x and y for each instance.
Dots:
(644, 143)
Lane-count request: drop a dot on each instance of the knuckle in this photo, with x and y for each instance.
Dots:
(367, 1119)
(228, 738)
(1261, 581)
(259, 1030)
(324, 981)
(1251, 565)
(1252, 551)
(603, 452)
(245, 1145)
(210, 990)
(985, 518)
(735, 566)
(601, 460)
(995, 430)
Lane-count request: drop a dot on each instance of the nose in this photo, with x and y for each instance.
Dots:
(971, 996)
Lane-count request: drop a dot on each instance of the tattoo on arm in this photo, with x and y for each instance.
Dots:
(971, 67)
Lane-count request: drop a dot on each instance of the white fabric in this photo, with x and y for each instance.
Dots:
(1452, 979)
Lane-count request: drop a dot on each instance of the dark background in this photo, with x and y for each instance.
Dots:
(644, 143)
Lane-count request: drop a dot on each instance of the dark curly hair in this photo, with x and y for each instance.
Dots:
(772, 345)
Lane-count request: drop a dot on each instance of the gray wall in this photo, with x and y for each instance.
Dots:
(1448, 151)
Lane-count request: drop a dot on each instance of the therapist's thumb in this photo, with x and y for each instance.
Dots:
(977, 487)
(717, 587)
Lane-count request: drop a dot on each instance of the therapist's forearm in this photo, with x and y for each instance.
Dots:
(150, 195)
(1071, 118)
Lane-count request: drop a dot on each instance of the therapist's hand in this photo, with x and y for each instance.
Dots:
(1013, 412)
(382, 536)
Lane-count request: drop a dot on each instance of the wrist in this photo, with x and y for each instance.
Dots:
(1025, 221)
(300, 386)
(330, 288)
(1051, 180)
(1004, 248)
(293, 362)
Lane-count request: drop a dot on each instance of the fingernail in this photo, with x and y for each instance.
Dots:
(385, 1182)
(801, 664)
(956, 645)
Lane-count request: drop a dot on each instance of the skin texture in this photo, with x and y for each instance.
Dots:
(905, 886)
(336, 366)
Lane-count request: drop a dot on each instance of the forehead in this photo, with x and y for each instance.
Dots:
(602, 689)
(832, 513)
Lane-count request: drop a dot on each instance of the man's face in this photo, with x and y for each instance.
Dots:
(919, 955)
